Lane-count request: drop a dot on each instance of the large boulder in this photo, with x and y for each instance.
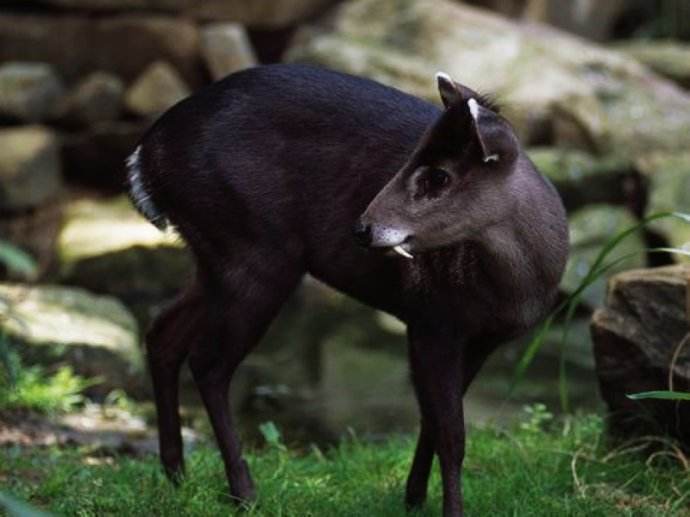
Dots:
(96, 98)
(28, 91)
(582, 178)
(123, 45)
(157, 88)
(226, 49)
(29, 167)
(591, 228)
(561, 87)
(668, 58)
(642, 343)
(108, 248)
(58, 326)
(590, 20)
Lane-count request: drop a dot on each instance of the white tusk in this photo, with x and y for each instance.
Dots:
(491, 158)
(402, 251)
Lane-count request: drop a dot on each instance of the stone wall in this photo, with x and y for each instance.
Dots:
(82, 80)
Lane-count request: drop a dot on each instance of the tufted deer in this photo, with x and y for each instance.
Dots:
(267, 173)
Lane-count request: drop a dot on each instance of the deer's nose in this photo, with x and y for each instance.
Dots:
(362, 233)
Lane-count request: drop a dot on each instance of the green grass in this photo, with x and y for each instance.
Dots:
(539, 468)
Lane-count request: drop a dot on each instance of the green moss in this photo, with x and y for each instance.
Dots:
(591, 228)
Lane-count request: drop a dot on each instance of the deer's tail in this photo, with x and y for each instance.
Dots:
(139, 192)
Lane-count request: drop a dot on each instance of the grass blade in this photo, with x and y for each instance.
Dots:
(17, 261)
(660, 395)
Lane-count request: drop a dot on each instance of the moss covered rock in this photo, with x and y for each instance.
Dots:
(96, 98)
(157, 88)
(28, 91)
(582, 178)
(54, 326)
(590, 229)
(107, 247)
(668, 176)
(668, 58)
(30, 172)
(587, 94)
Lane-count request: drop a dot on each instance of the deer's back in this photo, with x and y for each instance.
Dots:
(286, 154)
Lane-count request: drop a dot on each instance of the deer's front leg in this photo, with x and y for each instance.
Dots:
(435, 363)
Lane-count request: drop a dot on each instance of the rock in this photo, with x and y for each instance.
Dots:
(95, 335)
(668, 175)
(637, 334)
(226, 49)
(582, 178)
(108, 248)
(28, 91)
(155, 90)
(123, 45)
(29, 167)
(590, 20)
(96, 98)
(590, 229)
(255, 13)
(668, 58)
(260, 13)
(96, 156)
(115, 5)
(508, 8)
(611, 102)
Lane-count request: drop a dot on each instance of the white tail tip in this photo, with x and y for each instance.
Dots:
(402, 251)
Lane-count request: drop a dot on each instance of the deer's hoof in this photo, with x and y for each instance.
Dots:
(414, 501)
(242, 488)
(175, 473)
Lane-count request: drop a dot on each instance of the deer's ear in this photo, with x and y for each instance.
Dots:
(447, 89)
(452, 93)
(497, 141)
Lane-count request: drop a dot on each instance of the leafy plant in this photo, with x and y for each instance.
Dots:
(31, 388)
(37, 390)
(272, 435)
(538, 416)
(17, 261)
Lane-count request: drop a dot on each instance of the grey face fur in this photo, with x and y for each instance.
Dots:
(456, 184)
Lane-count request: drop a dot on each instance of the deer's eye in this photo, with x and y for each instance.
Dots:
(436, 179)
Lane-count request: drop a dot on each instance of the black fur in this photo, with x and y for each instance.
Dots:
(265, 173)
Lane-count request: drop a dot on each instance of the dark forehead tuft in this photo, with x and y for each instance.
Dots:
(489, 101)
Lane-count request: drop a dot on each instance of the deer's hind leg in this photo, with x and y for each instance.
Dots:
(245, 298)
(173, 333)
